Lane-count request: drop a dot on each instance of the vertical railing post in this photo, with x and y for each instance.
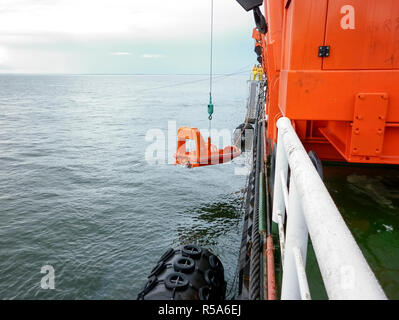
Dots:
(296, 236)
(346, 273)
(281, 165)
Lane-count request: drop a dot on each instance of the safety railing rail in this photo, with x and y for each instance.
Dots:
(310, 210)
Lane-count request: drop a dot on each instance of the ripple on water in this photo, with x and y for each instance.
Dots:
(77, 193)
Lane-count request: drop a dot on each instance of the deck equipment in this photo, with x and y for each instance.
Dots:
(204, 154)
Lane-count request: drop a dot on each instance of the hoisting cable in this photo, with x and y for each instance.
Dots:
(210, 105)
(214, 155)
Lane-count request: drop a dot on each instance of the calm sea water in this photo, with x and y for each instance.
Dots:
(77, 193)
(368, 199)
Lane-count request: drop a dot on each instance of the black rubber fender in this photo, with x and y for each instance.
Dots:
(184, 264)
(316, 162)
(258, 50)
(241, 131)
(188, 272)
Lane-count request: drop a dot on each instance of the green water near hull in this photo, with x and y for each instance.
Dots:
(368, 199)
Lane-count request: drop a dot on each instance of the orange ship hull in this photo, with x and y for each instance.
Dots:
(333, 68)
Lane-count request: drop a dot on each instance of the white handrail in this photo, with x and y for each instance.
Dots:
(345, 272)
(301, 274)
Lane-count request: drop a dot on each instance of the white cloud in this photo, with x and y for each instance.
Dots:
(159, 18)
(120, 53)
(152, 56)
(3, 56)
(71, 35)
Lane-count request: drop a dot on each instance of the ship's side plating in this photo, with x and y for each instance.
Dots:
(332, 68)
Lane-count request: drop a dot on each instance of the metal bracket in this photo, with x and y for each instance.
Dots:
(324, 51)
(367, 138)
(250, 4)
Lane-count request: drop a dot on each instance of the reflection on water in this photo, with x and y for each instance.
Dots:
(212, 220)
(213, 225)
(77, 193)
(376, 187)
(368, 199)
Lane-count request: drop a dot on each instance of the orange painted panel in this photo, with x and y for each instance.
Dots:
(362, 34)
(369, 124)
(389, 154)
(303, 33)
(324, 150)
(320, 95)
(274, 18)
(390, 149)
(330, 95)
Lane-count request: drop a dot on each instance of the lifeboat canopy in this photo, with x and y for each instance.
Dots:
(204, 153)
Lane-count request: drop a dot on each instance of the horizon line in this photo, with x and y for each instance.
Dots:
(114, 74)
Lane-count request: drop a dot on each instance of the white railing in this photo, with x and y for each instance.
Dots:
(311, 211)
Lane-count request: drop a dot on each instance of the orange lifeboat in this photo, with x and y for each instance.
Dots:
(204, 154)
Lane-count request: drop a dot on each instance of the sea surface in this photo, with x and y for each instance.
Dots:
(78, 193)
(368, 199)
(80, 189)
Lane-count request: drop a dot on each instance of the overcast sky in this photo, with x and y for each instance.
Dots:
(123, 36)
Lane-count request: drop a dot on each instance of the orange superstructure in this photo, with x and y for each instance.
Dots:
(333, 68)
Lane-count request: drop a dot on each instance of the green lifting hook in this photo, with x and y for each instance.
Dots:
(210, 107)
